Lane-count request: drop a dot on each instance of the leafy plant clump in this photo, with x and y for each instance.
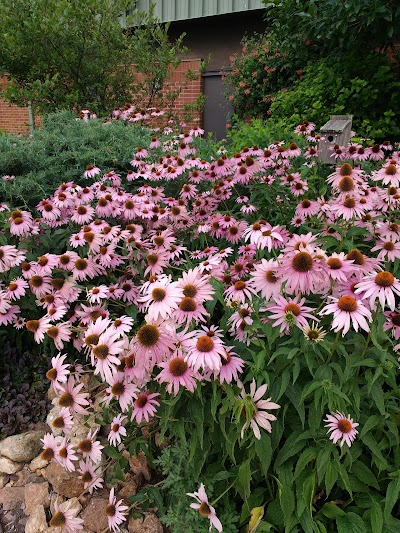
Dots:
(235, 319)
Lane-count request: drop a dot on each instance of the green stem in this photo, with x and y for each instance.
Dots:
(223, 494)
(334, 347)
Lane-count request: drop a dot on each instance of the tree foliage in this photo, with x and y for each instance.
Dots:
(338, 25)
(71, 54)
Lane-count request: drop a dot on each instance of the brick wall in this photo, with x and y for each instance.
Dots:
(15, 119)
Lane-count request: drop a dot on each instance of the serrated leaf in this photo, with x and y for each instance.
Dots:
(331, 476)
(392, 496)
(364, 474)
(351, 523)
(330, 510)
(263, 450)
(307, 455)
(376, 518)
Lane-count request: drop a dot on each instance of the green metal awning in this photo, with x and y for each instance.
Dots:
(172, 10)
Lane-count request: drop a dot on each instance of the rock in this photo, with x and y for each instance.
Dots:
(65, 483)
(24, 476)
(37, 463)
(150, 524)
(36, 495)
(129, 488)
(139, 465)
(37, 522)
(57, 499)
(11, 497)
(51, 394)
(9, 467)
(22, 448)
(94, 516)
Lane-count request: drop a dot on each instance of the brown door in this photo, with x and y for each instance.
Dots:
(216, 106)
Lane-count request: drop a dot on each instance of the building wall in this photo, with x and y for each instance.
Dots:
(13, 119)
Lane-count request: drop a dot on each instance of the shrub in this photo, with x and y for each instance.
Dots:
(266, 65)
(367, 88)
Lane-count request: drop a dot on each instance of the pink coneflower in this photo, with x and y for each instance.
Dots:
(265, 278)
(63, 421)
(204, 508)
(121, 389)
(231, 366)
(252, 402)
(65, 455)
(341, 427)
(122, 324)
(347, 311)
(239, 291)
(289, 312)
(60, 333)
(83, 214)
(115, 512)
(345, 171)
(382, 286)
(72, 397)
(388, 250)
(304, 272)
(189, 310)
(64, 518)
(117, 430)
(144, 406)
(340, 268)
(104, 354)
(365, 264)
(90, 448)
(40, 285)
(389, 174)
(50, 447)
(96, 294)
(89, 477)
(161, 298)
(91, 171)
(10, 257)
(205, 352)
(156, 261)
(39, 327)
(176, 372)
(307, 208)
(85, 268)
(348, 208)
(153, 342)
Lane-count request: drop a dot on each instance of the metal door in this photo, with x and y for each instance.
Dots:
(216, 106)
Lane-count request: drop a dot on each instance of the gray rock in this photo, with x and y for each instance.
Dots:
(37, 463)
(22, 448)
(36, 495)
(9, 467)
(11, 497)
(150, 524)
(94, 516)
(64, 483)
(37, 522)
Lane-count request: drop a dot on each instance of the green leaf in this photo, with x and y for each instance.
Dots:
(369, 440)
(308, 455)
(351, 523)
(372, 421)
(376, 518)
(364, 474)
(392, 496)
(331, 510)
(345, 478)
(263, 450)
(243, 481)
(112, 452)
(377, 395)
(331, 476)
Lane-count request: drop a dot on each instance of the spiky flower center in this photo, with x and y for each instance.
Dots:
(115, 428)
(345, 426)
(396, 319)
(51, 374)
(356, 256)
(391, 170)
(346, 169)
(152, 259)
(204, 344)
(334, 263)
(204, 509)
(292, 308)
(63, 453)
(87, 477)
(58, 519)
(148, 335)
(350, 203)
(48, 454)
(36, 281)
(177, 367)
(384, 279)
(85, 446)
(347, 303)
(52, 332)
(110, 510)
(158, 294)
(66, 400)
(188, 305)
(101, 351)
(118, 389)
(240, 285)
(302, 262)
(346, 184)
(81, 264)
(141, 400)
(389, 246)
(58, 422)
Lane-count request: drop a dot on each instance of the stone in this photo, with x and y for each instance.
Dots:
(94, 516)
(37, 522)
(139, 465)
(24, 476)
(9, 467)
(11, 497)
(129, 488)
(150, 524)
(36, 495)
(65, 483)
(37, 463)
(22, 448)
(57, 499)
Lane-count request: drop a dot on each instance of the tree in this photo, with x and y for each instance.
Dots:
(69, 54)
(337, 25)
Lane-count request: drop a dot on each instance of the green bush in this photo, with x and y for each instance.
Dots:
(62, 150)
(367, 88)
(266, 64)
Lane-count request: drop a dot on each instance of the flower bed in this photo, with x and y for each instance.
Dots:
(235, 319)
